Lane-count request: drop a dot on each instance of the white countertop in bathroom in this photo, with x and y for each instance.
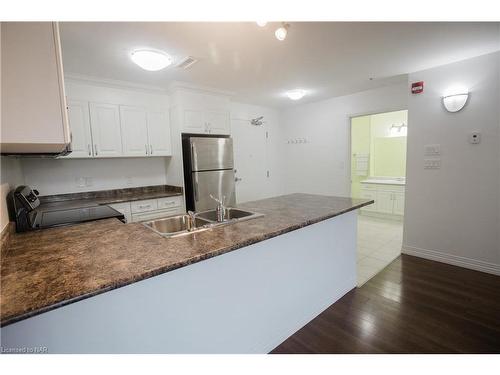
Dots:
(385, 181)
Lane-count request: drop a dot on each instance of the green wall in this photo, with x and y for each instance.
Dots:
(360, 144)
(369, 135)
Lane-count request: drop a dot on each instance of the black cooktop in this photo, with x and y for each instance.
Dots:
(55, 218)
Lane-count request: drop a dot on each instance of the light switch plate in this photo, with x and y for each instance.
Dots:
(432, 150)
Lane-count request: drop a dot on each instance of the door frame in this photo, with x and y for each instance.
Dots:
(350, 116)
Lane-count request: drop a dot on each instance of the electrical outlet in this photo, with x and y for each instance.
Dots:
(432, 163)
(80, 182)
(89, 181)
(129, 181)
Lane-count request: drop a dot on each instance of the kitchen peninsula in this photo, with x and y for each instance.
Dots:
(109, 287)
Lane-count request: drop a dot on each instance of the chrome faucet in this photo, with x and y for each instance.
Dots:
(192, 220)
(220, 210)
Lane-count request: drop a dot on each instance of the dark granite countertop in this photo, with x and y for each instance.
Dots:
(92, 198)
(46, 269)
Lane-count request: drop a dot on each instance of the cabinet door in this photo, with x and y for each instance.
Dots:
(194, 121)
(385, 201)
(159, 134)
(123, 208)
(106, 132)
(218, 122)
(79, 123)
(399, 203)
(371, 195)
(134, 131)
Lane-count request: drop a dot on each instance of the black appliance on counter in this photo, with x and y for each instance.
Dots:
(29, 215)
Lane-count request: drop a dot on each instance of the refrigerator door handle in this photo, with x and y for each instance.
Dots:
(196, 190)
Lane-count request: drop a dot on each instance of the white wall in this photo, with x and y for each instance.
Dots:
(50, 176)
(255, 154)
(452, 214)
(10, 176)
(321, 165)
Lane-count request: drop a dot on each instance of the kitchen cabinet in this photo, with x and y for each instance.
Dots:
(134, 131)
(117, 131)
(81, 136)
(206, 122)
(123, 208)
(160, 139)
(218, 122)
(149, 209)
(389, 199)
(201, 112)
(34, 116)
(106, 130)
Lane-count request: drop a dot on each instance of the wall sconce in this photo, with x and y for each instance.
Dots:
(455, 102)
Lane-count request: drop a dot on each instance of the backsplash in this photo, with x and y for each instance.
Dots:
(55, 176)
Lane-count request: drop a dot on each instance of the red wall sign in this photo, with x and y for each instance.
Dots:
(417, 87)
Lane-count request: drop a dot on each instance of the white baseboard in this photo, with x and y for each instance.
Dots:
(455, 260)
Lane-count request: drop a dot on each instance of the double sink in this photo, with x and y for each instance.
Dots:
(187, 224)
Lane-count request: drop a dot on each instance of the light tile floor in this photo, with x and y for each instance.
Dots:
(379, 243)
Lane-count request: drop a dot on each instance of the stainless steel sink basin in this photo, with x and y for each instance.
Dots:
(230, 215)
(177, 225)
(184, 224)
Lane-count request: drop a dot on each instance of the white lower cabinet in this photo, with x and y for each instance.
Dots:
(389, 199)
(150, 209)
(123, 208)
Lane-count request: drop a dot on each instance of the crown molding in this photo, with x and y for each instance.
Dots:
(112, 83)
(186, 86)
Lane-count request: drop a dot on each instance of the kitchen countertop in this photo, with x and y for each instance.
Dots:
(46, 269)
(92, 198)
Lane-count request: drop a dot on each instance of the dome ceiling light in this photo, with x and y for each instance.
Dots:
(151, 60)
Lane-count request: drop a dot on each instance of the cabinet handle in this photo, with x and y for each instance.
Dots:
(95, 149)
(89, 149)
(144, 205)
(151, 149)
(146, 149)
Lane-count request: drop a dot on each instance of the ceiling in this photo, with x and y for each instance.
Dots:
(325, 58)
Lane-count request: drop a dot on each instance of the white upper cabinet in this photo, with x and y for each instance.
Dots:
(106, 131)
(81, 136)
(160, 142)
(34, 117)
(194, 121)
(218, 122)
(201, 112)
(134, 126)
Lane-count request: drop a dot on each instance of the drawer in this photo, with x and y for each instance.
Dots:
(144, 206)
(169, 202)
(157, 214)
(368, 186)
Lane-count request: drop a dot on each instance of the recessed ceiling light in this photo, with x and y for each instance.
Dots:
(281, 32)
(151, 60)
(296, 94)
(262, 23)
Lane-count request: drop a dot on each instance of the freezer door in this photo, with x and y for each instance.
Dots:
(217, 183)
(211, 153)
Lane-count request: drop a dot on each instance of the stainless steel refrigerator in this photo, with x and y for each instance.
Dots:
(208, 170)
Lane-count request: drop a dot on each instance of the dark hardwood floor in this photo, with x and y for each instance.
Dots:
(413, 306)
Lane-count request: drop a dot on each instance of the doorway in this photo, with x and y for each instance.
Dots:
(378, 172)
